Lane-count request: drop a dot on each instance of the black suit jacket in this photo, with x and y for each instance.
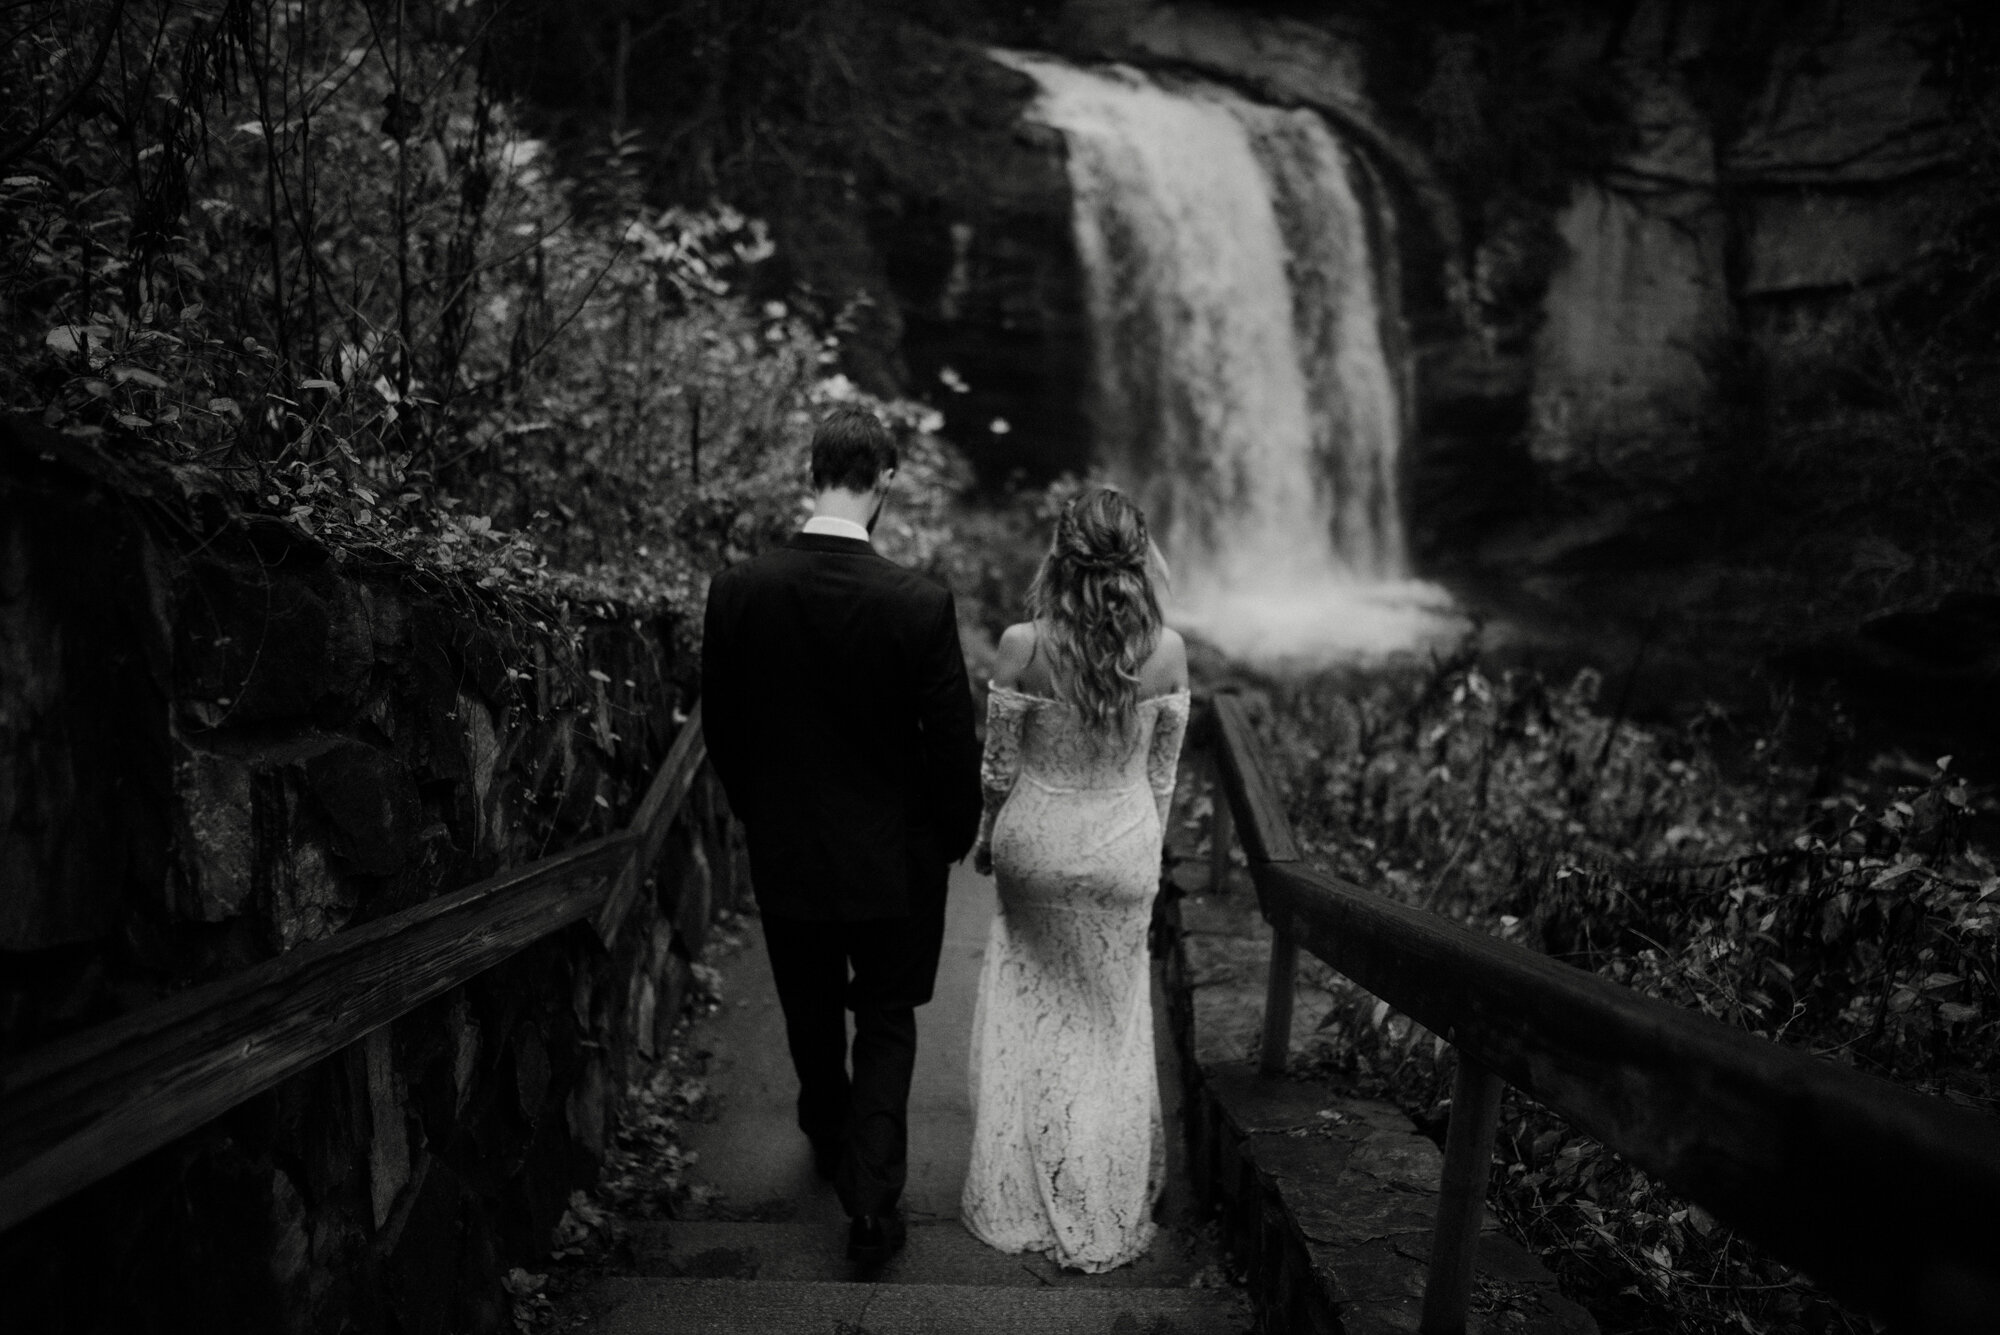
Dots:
(840, 720)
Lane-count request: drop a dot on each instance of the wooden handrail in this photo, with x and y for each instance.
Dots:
(1267, 837)
(1884, 1196)
(83, 1107)
(1260, 813)
(650, 821)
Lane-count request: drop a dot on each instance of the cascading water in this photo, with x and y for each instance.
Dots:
(1242, 393)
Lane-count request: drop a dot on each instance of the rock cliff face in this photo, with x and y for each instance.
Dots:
(1776, 161)
(1639, 304)
(991, 300)
(217, 743)
(1806, 182)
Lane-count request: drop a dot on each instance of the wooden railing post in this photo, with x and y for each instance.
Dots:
(1221, 832)
(1461, 1208)
(1278, 996)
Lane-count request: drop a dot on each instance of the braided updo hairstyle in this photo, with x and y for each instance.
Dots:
(1094, 598)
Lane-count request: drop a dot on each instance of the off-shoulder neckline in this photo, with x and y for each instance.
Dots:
(997, 689)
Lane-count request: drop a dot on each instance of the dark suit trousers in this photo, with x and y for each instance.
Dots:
(881, 969)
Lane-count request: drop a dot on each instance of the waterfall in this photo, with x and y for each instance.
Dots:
(1242, 392)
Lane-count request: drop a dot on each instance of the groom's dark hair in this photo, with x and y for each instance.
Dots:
(850, 449)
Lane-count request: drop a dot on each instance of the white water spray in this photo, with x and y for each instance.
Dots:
(1242, 392)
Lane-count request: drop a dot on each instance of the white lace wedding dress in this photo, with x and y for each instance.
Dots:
(1067, 1151)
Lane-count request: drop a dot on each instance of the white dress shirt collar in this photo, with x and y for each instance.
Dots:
(831, 527)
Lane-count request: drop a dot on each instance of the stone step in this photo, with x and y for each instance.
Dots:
(939, 1252)
(640, 1306)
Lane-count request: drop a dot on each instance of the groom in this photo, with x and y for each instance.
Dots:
(839, 718)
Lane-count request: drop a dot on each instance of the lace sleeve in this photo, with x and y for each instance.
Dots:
(1000, 765)
(1163, 756)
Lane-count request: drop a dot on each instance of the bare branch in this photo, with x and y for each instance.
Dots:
(543, 346)
(487, 266)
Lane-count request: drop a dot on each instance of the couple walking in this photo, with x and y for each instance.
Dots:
(839, 716)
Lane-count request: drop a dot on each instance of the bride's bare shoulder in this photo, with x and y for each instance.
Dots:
(1017, 649)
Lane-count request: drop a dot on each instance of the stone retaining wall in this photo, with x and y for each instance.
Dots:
(220, 739)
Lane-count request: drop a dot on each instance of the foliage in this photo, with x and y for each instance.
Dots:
(1856, 450)
(644, 1175)
(644, 1171)
(1851, 450)
(1854, 447)
(302, 250)
(844, 122)
(1856, 918)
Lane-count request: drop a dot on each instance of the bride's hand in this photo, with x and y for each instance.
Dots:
(982, 860)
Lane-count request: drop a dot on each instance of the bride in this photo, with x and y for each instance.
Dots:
(1084, 726)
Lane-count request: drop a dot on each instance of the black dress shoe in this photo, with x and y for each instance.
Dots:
(873, 1238)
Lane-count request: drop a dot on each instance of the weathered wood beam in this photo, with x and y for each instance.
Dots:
(1221, 832)
(1274, 1049)
(83, 1107)
(1262, 825)
(1461, 1207)
(1884, 1196)
(651, 820)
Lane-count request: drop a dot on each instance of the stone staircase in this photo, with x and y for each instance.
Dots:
(766, 1252)
(1325, 1201)
(802, 1308)
(793, 1278)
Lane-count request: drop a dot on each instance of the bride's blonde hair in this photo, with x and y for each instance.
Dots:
(1094, 599)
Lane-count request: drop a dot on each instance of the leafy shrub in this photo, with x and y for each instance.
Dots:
(1859, 923)
(306, 254)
